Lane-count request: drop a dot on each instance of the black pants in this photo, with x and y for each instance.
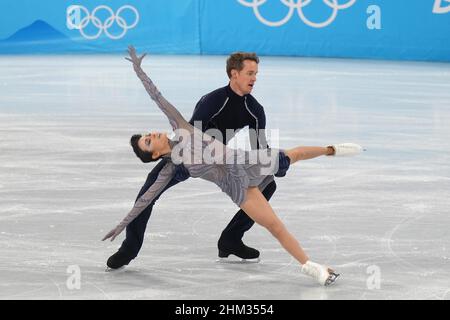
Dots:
(233, 232)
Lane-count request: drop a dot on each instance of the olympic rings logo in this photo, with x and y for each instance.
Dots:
(439, 9)
(74, 14)
(299, 5)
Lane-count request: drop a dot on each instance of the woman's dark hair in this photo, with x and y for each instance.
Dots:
(145, 156)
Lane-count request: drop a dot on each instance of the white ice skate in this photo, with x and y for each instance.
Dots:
(346, 149)
(323, 275)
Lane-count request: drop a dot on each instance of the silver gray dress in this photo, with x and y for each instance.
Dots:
(233, 171)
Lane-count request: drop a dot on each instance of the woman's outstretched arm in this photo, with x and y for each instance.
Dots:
(164, 177)
(175, 118)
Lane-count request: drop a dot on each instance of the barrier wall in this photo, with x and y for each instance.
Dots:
(380, 29)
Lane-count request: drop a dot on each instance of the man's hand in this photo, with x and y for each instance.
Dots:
(134, 58)
(113, 233)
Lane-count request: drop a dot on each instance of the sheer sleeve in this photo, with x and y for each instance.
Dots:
(175, 118)
(165, 175)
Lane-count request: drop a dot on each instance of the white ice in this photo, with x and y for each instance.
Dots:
(68, 175)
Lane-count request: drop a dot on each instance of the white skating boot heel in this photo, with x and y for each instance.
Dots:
(323, 275)
(346, 149)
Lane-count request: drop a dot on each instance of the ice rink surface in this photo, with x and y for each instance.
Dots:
(68, 176)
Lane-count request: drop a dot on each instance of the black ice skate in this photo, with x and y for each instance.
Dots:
(239, 253)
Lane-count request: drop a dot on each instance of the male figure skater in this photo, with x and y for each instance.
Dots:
(229, 107)
(235, 172)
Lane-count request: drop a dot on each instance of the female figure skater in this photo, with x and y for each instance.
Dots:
(236, 172)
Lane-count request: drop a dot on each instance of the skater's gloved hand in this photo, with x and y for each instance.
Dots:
(181, 173)
(113, 233)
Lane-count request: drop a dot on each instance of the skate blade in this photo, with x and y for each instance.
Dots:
(331, 278)
(232, 259)
(108, 269)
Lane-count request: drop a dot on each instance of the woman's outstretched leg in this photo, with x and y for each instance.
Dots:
(305, 153)
(257, 208)
(340, 150)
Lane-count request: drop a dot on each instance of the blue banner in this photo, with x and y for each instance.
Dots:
(380, 29)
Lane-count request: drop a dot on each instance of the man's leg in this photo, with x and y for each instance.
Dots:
(136, 229)
(230, 241)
